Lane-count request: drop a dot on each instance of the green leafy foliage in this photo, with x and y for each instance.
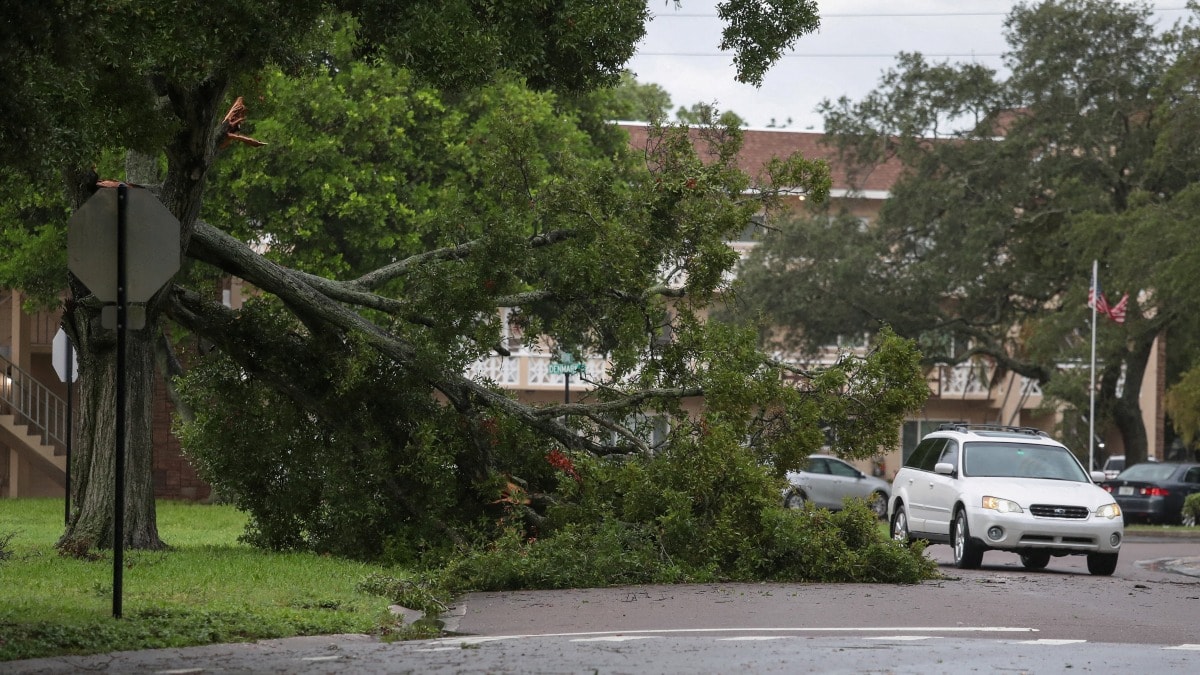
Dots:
(773, 543)
(380, 468)
(1183, 404)
(1191, 509)
(631, 100)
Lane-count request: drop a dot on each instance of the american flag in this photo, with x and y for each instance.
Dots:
(1115, 312)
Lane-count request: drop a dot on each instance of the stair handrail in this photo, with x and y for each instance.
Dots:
(34, 404)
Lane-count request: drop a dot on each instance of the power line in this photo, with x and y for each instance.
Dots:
(683, 15)
(874, 15)
(833, 56)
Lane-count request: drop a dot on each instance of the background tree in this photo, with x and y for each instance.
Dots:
(706, 113)
(155, 78)
(1011, 188)
(636, 101)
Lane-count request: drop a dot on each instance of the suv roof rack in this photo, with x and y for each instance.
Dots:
(993, 428)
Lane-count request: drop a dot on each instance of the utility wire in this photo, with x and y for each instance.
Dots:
(835, 56)
(834, 15)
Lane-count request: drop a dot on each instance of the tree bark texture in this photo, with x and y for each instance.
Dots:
(1127, 409)
(93, 459)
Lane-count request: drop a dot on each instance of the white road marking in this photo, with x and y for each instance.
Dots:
(1048, 641)
(470, 641)
(1194, 648)
(618, 638)
(910, 638)
(320, 658)
(179, 671)
(756, 637)
(682, 631)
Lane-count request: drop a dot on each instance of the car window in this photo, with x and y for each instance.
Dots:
(1192, 475)
(949, 454)
(1147, 471)
(1114, 464)
(1018, 460)
(926, 454)
(817, 465)
(842, 469)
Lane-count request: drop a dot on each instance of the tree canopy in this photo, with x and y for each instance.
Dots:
(1012, 187)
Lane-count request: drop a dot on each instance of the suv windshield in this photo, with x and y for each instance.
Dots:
(1018, 460)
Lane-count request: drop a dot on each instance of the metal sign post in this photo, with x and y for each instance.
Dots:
(70, 428)
(146, 231)
(567, 365)
(63, 358)
(119, 505)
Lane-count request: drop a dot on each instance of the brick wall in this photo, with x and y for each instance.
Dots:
(174, 476)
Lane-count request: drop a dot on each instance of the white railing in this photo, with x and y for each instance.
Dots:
(963, 379)
(527, 368)
(1030, 387)
(32, 404)
(506, 370)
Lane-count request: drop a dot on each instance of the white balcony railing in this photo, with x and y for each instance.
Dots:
(531, 370)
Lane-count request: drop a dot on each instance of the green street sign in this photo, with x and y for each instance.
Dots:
(564, 368)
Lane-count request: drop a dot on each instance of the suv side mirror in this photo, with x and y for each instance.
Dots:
(1098, 476)
(944, 468)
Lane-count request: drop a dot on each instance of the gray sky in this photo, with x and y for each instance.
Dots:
(857, 41)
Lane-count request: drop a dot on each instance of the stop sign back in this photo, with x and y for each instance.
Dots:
(151, 244)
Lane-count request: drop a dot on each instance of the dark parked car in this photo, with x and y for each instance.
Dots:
(1154, 491)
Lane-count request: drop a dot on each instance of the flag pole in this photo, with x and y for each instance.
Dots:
(1094, 297)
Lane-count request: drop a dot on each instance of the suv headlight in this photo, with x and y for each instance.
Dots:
(1109, 511)
(1002, 505)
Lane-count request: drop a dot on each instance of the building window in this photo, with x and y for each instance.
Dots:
(914, 431)
(753, 231)
(652, 429)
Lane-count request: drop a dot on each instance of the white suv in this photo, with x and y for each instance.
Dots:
(990, 487)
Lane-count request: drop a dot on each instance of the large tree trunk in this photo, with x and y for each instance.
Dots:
(93, 459)
(1127, 409)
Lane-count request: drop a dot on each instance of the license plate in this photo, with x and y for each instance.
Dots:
(1125, 490)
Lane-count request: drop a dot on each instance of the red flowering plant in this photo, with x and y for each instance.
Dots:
(560, 461)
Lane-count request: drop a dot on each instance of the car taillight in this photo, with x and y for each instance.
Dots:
(1107, 488)
(1155, 492)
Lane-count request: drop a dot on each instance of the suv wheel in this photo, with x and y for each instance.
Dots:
(1102, 564)
(1035, 560)
(967, 554)
(900, 525)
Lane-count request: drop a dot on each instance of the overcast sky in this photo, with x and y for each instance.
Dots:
(857, 41)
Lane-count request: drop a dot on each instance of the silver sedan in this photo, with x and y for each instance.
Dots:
(827, 481)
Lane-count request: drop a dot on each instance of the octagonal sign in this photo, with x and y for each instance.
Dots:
(151, 244)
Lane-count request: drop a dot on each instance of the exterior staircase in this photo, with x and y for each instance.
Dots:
(33, 421)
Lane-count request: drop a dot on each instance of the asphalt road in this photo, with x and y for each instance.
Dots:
(1000, 617)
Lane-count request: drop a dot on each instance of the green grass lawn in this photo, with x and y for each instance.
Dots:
(208, 588)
